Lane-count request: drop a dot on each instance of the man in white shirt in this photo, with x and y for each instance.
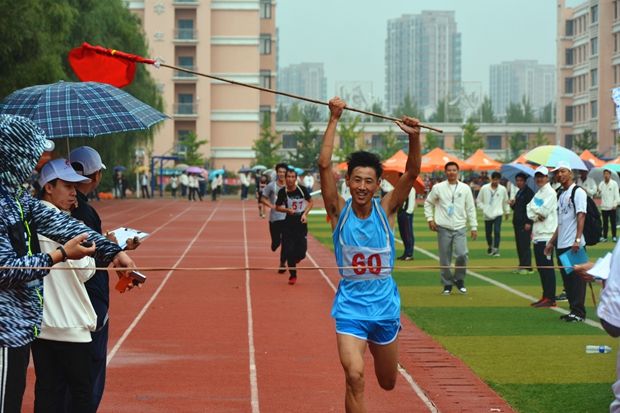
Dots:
(245, 184)
(610, 198)
(493, 202)
(184, 181)
(405, 225)
(542, 210)
(309, 181)
(586, 183)
(453, 205)
(569, 237)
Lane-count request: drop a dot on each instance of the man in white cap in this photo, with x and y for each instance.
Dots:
(542, 210)
(63, 346)
(569, 237)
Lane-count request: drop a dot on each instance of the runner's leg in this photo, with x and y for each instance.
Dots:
(351, 351)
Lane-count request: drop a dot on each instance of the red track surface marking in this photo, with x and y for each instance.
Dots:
(189, 336)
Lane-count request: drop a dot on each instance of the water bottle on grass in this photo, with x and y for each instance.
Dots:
(598, 349)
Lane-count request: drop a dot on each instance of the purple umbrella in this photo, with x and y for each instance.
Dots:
(195, 170)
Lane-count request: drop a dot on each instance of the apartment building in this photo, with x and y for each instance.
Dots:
(233, 39)
(422, 58)
(588, 61)
(304, 79)
(510, 81)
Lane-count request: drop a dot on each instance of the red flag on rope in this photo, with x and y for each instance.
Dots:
(97, 64)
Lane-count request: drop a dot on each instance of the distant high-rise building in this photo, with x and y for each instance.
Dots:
(510, 81)
(588, 59)
(304, 79)
(422, 58)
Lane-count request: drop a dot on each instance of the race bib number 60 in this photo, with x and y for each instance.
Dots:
(359, 260)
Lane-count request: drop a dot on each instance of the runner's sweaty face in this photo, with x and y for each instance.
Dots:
(362, 184)
(291, 181)
(281, 172)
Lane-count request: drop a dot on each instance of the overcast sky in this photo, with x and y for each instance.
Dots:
(348, 36)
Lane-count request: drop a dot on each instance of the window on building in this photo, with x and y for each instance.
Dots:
(288, 141)
(615, 10)
(569, 56)
(180, 148)
(186, 30)
(594, 46)
(264, 110)
(265, 79)
(186, 62)
(594, 13)
(264, 46)
(185, 104)
(569, 114)
(376, 142)
(568, 141)
(594, 109)
(594, 77)
(568, 85)
(569, 27)
(494, 142)
(265, 9)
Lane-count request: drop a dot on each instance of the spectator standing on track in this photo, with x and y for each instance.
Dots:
(193, 187)
(610, 198)
(87, 162)
(367, 304)
(568, 237)
(216, 187)
(144, 185)
(68, 316)
(453, 205)
(202, 186)
(245, 184)
(174, 184)
(261, 183)
(309, 181)
(184, 180)
(405, 225)
(522, 224)
(543, 211)
(493, 202)
(22, 218)
(118, 185)
(276, 218)
(588, 184)
(295, 201)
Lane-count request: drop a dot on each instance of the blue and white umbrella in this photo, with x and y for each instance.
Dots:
(511, 170)
(80, 109)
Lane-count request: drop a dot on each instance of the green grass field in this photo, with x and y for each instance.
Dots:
(534, 360)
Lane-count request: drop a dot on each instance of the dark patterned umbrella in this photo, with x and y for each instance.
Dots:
(68, 109)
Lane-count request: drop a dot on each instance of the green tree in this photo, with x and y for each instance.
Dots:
(265, 148)
(586, 141)
(431, 142)
(440, 114)
(311, 112)
(528, 111)
(547, 114)
(469, 142)
(408, 107)
(306, 154)
(377, 107)
(294, 113)
(190, 145)
(486, 113)
(520, 112)
(389, 144)
(540, 139)
(282, 113)
(349, 136)
(517, 144)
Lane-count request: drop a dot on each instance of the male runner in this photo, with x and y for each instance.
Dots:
(276, 218)
(367, 304)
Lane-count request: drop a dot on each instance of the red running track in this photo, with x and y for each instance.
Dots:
(246, 341)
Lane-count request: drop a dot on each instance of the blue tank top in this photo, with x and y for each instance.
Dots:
(365, 293)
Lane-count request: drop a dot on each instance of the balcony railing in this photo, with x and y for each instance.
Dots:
(178, 74)
(185, 34)
(185, 108)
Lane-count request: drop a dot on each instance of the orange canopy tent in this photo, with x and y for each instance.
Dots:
(394, 166)
(614, 161)
(480, 161)
(588, 156)
(521, 159)
(342, 166)
(437, 159)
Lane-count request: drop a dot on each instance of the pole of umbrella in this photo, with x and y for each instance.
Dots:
(277, 92)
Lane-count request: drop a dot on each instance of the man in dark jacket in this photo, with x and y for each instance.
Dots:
(522, 224)
(22, 217)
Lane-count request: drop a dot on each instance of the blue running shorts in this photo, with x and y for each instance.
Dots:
(378, 332)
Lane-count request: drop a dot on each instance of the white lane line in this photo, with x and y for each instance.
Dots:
(504, 286)
(248, 296)
(401, 370)
(157, 291)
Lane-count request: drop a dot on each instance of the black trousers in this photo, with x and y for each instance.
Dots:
(523, 239)
(547, 275)
(609, 215)
(575, 288)
(275, 229)
(74, 361)
(493, 229)
(13, 366)
(294, 243)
